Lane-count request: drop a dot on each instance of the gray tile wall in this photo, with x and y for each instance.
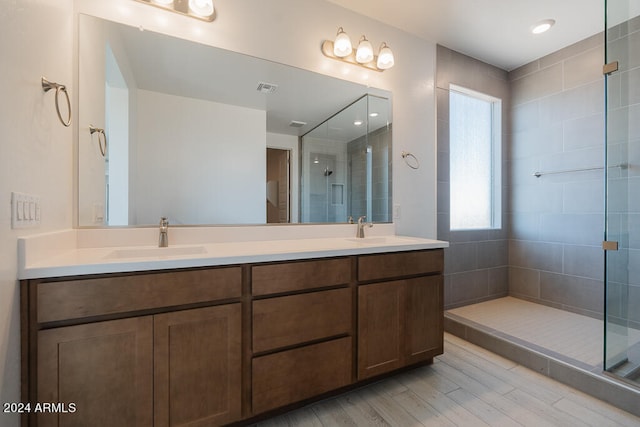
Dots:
(476, 263)
(557, 220)
(551, 250)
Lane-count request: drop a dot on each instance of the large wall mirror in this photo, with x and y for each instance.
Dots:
(204, 136)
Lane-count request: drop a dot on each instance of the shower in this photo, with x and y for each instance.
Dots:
(556, 300)
(327, 171)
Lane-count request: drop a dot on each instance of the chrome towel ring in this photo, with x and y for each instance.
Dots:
(47, 86)
(102, 142)
(407, 156)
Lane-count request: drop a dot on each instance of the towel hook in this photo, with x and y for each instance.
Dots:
(47, 86)
(102, 143)
(413, 164)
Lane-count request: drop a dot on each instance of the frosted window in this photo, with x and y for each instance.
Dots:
(474, 145)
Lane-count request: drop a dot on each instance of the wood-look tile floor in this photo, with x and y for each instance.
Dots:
(466, 386)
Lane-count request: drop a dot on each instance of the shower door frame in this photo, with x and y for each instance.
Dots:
(619, 243)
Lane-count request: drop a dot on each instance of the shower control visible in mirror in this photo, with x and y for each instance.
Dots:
(163, 242)
(124, 75)
(361, 225)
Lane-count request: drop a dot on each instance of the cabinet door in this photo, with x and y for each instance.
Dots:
(198, 366)
(424, 313)
(104, 368)
(380, 319)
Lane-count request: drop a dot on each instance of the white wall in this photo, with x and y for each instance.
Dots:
(36, 151)
(223, 141)
(91, 189)
(95, 68)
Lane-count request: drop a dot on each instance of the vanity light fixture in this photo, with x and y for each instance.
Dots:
(542, 26)
(199, 9)
(341, 49)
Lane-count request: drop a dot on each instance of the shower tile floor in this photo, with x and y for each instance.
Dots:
(570, 335)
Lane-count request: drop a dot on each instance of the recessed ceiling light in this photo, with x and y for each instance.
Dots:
(542, 26)
(374, 114)
(358, 123)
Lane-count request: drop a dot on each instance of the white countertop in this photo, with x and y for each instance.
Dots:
(80, 252)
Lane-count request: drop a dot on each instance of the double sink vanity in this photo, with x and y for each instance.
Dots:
(263, 320)
(227, 324)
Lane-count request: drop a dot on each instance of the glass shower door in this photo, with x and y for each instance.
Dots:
(622, 212)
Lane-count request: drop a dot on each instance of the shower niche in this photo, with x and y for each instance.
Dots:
(346, 165)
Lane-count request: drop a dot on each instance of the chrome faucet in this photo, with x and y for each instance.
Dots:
(361, 224)
(164, 237)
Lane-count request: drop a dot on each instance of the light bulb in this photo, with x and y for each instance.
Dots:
(385, 57)
(342, 45)
(201, 7)
(364, 53)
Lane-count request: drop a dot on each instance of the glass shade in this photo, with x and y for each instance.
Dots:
(385, 57)
(201, 7)
(342, 45)
(364, 53)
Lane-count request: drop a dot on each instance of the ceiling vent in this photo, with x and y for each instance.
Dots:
(267, 87)
(297, 124)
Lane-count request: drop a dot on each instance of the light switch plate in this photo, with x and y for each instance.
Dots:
(25, 210)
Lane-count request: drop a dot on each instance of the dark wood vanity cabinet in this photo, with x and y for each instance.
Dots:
(134, 350)
(301, 342)
(400, 320)
(213, 346)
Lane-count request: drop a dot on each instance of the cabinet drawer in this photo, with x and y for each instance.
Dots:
(119, 294)
(289, 320)
(400, 264)
(318, 368)
(294, 276)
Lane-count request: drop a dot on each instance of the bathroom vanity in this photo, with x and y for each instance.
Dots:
(225, 341)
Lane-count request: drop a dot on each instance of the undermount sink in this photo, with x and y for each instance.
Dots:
(155, 252)
(370, 240)
(382, 240)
